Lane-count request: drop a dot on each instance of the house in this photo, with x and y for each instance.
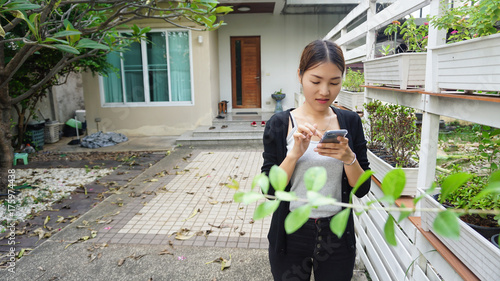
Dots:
(175, 83)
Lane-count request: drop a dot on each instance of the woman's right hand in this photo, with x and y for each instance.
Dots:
(302, 138)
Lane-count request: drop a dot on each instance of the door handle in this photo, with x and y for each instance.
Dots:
(258, 77)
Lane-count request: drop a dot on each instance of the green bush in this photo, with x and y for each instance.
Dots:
(393, 127)
(353, 80)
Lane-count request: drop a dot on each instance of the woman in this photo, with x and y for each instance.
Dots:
(291, 141)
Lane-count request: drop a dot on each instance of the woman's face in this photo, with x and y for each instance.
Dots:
(321, 85)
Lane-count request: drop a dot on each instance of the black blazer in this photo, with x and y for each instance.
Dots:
(275, 151)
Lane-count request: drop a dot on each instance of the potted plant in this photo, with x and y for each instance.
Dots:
(463, 198)
(401, 70)
(393, 140)
(278, 96)
(477, 253)
(470, 59)
(352, 95)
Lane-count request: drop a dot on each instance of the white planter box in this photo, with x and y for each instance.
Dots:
(351, 100)
(477, 253)
(381, 168)
(469, 65)
(406, 70)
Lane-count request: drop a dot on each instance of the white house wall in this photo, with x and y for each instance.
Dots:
(282, 39)
(161, 120)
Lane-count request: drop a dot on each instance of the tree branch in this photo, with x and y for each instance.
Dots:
(12, 24)
(16, 62)
(61, 64)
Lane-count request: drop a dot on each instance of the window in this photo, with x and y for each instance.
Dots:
(156, 71)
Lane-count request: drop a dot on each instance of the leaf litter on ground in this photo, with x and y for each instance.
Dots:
(50, 186)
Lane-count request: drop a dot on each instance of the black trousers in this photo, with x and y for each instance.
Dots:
(314, 246)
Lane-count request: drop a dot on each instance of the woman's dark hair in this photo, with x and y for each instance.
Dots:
(320, 51)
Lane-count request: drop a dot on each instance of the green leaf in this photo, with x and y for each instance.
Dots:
(394, 183)
(389, 234)
(21, 7)
(286, 196)
(452, 183)
(446, 224)
(66, 48)
(50, 39)
(265, 209)
(315, 178)
(364, 177)
(92, 45)
(403, 214)
(316, 199)
(297, 218)
(247, 197)
(2, 32)
(238, 197)
(388, 198)
(493, 186)
(278, 178)
(338, 223)
(263, 181)
(67, 33)
(223, 10)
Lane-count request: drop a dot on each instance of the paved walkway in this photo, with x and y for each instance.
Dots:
(193, 201)
(168, 223)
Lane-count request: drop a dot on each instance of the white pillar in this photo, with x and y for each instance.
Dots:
(430, 122)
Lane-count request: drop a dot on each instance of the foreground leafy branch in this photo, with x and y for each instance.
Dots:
(445, 224)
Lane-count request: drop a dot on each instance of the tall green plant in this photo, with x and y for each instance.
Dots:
(415, 37)
(467, 21)
(394, 128)
(353, 80)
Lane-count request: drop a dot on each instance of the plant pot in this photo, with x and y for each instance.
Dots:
(477, 253)
(469, 65)
(494, 240)
(278, 99)
(406, 70)
(486, 232)
(351, 100)
(381, 168)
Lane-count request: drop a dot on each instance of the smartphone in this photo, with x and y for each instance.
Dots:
(331, 136)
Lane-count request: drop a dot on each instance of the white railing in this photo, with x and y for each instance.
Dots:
(395, 11)
(414, 258)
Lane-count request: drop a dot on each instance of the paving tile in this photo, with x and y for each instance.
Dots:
(170, 211)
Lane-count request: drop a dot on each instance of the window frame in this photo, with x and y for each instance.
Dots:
(147, 102)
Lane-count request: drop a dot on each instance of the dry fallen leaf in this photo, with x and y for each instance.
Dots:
(224, 263)
(120, 262)
(165, 252)
(47, 219)
(195, 211)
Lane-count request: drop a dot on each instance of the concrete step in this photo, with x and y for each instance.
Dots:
(188, 139)
(233, 129)
(228, 130)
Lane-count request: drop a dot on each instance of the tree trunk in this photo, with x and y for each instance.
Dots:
(6, 150)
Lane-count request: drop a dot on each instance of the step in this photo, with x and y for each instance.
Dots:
(230, 130)
(188, 139)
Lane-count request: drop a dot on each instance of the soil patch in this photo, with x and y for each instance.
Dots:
(126, 165)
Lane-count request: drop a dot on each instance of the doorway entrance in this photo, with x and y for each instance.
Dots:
(245, 72)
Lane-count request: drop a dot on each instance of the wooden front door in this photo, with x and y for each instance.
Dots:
(245, 71)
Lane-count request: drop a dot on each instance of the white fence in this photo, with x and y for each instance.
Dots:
(415, 257)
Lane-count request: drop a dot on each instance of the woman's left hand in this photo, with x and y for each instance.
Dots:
(340, 151)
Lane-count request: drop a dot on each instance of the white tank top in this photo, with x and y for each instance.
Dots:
(333, 186)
